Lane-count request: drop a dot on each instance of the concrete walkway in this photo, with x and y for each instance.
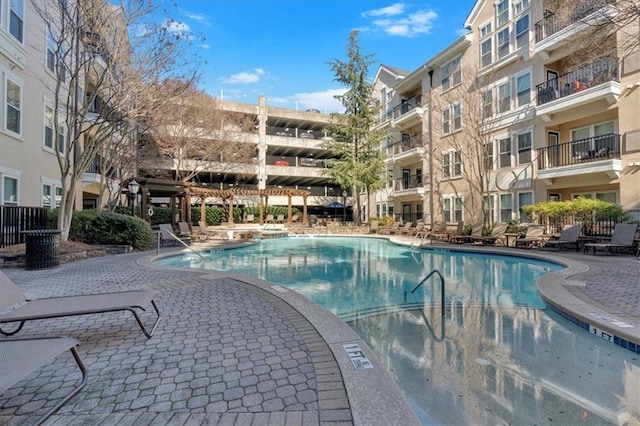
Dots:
(236, 350)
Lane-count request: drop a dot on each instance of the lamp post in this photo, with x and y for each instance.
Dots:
(344, 206)
(133, 190)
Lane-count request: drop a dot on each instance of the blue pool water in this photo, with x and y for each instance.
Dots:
(497, 357)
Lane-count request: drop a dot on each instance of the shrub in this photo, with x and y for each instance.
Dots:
(213, 215)
(81, 223)
(119, 229)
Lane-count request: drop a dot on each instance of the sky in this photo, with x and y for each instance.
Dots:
(282, 48)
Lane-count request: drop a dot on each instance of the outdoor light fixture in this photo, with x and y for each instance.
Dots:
(133, 190)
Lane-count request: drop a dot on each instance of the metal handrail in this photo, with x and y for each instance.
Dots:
(175, 237)
(434, 272)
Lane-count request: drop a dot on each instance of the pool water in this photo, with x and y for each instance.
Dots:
(497, 357)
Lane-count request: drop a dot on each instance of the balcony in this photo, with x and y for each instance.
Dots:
(555, 30)
(406, 150)
(409, 185)
(598, 154)
(408, 112)
(590, 83)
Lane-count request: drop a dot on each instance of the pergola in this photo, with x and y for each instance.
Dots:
(263, 195)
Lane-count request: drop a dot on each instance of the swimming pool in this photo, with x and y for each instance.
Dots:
(499, 356)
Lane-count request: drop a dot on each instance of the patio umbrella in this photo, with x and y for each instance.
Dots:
(335, 205)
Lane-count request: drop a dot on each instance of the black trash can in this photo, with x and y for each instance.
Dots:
(313, 220)
(42, 248)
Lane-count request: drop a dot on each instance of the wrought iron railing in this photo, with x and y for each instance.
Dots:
(552, 22)
(579, 151)
(406, 144)
(408, 105)
(408, 182)
(15, 219)
(591, 75)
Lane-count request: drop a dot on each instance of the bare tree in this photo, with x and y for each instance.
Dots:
(194, 135)
(466, 129)
(105, 57)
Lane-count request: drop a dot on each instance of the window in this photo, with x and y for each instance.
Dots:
(9, 190)
(485, 30)
(49, 131)
(502, 13)
(452, 208)
(485, 52)
(502, 44)
(504, 97)
(488, 156)
(51, 195)
(523, 89)
(505, 152)
(16, 19)
(521, 6)
(419, 176)
(451, 119)
(51, 50)
(446, 121)
(611, 197)
(506, 207)
(522, 32)
(524, 148)
(487, 104)
(58, 196)
(451, 73)
(451, 164)
(46, 195)
(13, 107)
(488, 205)
(524, 199)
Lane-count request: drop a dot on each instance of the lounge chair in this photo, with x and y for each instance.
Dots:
(269, 218)
(623, 237)
(497, 233)
(393, 229)
(21, 357)
(250, 218)
(25, 309)
(373, 227)
(203, 232)
(438, 232)
(280, 218)
(184, 232)
(417, 230)
(476, 232)
(534, 236)
(406, 229)
(568, 237)
(166, 234)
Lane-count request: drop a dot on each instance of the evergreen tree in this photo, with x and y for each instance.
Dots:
(359, 163)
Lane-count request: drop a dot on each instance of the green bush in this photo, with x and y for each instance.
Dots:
(119, 229)
(161, 215)
(81, 223)
(213, 215)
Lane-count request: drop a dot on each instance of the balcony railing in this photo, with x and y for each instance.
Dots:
(405, 144)
(408, 182)
(408, 105)
(591, 75)
(552, 22)
(580, 151)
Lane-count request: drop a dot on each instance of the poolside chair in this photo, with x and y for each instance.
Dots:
(497, 234)
(166, 234)
(203, 232)
(20, 358)
(438, 232)
(568, 237)
(623, 237)
(184, 231)
(476, 232)
(250, 218)
(406, 229)
(391, 230)
(534, 236)
(25, 309)
(269, 218)
(280, 218)
(417, 230)
(373, 227)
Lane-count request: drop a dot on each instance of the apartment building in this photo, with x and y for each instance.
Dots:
(519, 110)
(36, 69)
(290, 154)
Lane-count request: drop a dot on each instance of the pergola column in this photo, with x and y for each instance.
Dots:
(304, 209)
(230, 221)
(289, 210)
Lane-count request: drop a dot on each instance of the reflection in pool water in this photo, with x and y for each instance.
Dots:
(499, 356)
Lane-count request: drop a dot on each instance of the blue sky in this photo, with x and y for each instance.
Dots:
(281, 48)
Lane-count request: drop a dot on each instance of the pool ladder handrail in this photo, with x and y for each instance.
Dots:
(429, 275)
(178, 239)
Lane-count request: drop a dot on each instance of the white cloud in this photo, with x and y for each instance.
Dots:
(244, 77)
(205, 46)
(394, 9)
(179, 29)
(396, 21)
(198, 17)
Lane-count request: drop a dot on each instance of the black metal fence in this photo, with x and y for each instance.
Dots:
(592, 226)
(15, 219)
